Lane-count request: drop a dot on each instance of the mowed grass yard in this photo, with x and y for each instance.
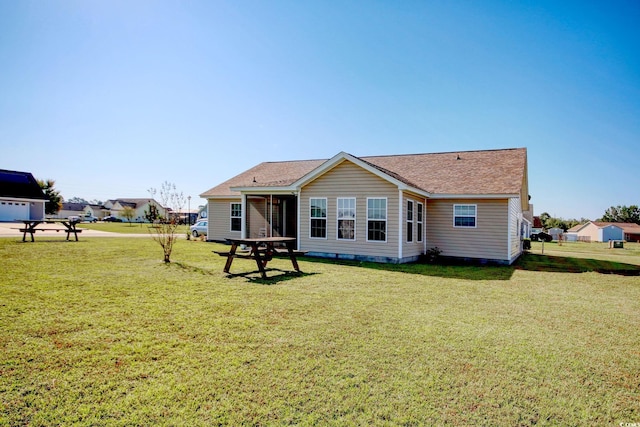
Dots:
(101, 332)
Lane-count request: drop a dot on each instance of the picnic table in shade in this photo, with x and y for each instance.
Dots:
(31, 226)
(262, 250)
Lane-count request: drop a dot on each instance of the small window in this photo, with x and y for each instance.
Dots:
(420, 221)
(377, 220)
(318, 218)
(346, 219)
(236, 216)
(464, 216)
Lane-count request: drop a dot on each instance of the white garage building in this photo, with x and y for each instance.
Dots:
(20, 196)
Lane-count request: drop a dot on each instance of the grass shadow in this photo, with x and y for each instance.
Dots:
(449, 269)
(270, 280)
(560, 264)
(194, 269)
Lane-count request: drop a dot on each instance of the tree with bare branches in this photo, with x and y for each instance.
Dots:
(164, 227)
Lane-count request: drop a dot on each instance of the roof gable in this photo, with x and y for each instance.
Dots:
(19, 185)
(342, 157)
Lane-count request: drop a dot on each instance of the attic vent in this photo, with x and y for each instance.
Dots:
(458, 157)
(254, 179)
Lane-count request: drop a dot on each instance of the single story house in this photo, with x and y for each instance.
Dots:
(20, 196)
(631, 231)
(469, 205)
(555, 233)
(140, 206)
(594, 231)
(598, 231)
(81, 209)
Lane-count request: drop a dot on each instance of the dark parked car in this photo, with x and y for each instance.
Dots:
(541, 237)
(111, 218)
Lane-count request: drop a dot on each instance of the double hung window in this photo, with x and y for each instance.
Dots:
(318, 218)
(346, 219)
(409, 220)
(420, 221)
(377, 219)
(236, 216)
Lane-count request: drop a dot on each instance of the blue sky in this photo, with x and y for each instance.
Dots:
(111, 98)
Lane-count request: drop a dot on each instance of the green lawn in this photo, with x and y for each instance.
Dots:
(125, 227)
(101, 332)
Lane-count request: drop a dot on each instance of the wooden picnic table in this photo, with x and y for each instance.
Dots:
(262, 250)
(31, 226)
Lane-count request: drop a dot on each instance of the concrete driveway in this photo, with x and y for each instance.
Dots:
(10, 229)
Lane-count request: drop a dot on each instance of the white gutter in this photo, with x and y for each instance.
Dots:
(474, 196)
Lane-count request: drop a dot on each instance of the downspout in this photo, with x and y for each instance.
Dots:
(509, 231)
(298, 220)
(271, 215)
(243, 229)
(400, 224)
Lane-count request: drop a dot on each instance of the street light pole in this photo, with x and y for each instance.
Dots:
(189, 208)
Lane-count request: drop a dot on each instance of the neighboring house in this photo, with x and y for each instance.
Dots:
(70, 209)
(555, 233)
(97, 211)
(20, 196)
(470, 205)
(594, 231)
(140, 206)
(571, 234)
(631, 231)
(82, 210)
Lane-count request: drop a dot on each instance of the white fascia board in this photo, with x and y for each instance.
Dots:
(232, 197)
(474, 196)
(21, 199)
(265, 190)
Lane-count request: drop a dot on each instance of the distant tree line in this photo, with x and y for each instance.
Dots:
(622, 214)
(629, 214)
(550, 222)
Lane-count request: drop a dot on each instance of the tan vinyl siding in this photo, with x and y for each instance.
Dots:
(414, 248)
(488, 240)
(590, 233)
(515, 219)
(257, 212)
(219, 217)
(349, 180)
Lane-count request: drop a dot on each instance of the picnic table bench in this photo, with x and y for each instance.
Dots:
(262, 250)
(31, 227)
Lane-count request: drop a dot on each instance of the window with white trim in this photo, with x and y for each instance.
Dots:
(377, 219)
(346, 218)
(420, 221)
(318, 218)
(465, 216)
(236, 216)
(409, 221)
